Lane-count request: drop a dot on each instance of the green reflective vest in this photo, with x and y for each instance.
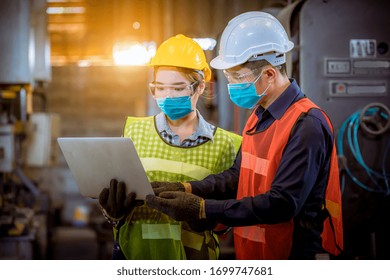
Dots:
(150, 234)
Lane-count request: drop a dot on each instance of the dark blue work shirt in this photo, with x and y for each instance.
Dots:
(297, 191)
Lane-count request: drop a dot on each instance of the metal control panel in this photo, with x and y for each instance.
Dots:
(344, 55)
(366, 77)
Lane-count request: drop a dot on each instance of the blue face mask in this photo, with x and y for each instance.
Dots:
(175, 107)
(244, 94)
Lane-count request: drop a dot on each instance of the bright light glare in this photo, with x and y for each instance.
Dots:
(130, 54)
(152, 48)
(207, 44)
(65, 10)
(136, 25)
(84, 63)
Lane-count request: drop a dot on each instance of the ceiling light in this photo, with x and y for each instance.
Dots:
(65, 10)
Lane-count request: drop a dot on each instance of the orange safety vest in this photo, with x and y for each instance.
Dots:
(261, 155)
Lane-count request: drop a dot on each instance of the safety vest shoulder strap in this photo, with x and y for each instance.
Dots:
(237, 139)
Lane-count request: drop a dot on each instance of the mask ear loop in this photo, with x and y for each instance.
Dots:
(264, 92)
(269, 84)
(257, 79)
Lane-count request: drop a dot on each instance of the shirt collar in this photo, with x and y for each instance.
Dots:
(280, 105)
(205, 129)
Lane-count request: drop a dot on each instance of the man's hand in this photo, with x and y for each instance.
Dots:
(159, 187)
(180, 206)
(115, 204)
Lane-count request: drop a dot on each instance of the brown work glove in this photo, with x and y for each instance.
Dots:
(159, 187)
(180, 206)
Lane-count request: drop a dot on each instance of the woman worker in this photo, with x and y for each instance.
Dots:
(176, 145)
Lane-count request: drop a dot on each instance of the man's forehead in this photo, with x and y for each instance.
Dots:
(238, 68)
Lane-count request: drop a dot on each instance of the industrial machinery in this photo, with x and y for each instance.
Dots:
(23, 64)
(341, 60)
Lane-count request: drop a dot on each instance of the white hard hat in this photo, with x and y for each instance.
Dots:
(252, 36)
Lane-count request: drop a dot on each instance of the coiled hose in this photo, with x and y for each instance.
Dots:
(373, 115)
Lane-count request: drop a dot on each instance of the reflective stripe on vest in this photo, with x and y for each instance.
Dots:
(191, 170)
(255, 233)
(161, 231)
(192, 240)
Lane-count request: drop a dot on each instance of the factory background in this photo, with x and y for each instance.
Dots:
(78, 68)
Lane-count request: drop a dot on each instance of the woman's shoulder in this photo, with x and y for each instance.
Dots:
(138, 120)
(132, 123)
(227, 133)
(229, 137)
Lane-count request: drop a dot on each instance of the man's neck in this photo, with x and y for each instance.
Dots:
(276, 90)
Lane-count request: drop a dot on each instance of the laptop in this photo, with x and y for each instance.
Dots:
(94, 161)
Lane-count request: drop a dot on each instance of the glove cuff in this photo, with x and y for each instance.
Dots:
(180, 186)
(113, 221)
(194, 206)
(187, 187)
(202, 209)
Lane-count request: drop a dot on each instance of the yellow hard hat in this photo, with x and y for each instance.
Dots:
(181, 51)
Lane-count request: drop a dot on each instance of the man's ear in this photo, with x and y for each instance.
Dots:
(270, 73)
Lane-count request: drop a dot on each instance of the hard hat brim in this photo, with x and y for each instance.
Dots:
(220, 64)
